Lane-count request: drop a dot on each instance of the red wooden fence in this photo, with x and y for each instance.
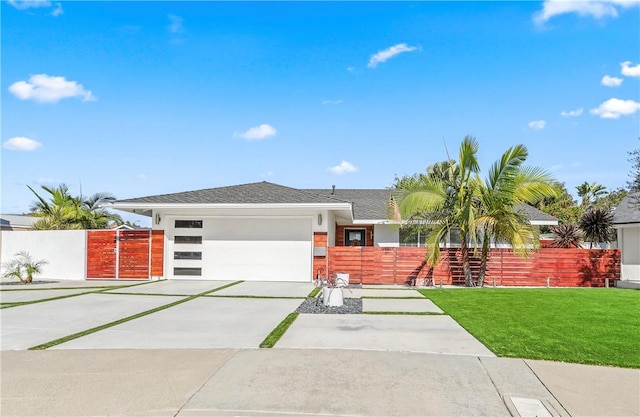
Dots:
(124, 254)
(405, 265)
(101, 254)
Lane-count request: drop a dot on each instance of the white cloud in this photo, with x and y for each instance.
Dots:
(611, 81)
(571, 113)
(258, 132)
(176, 23)
(20, 143)
(597, 9)
(389, 53)
(141, 176)
(29, 4)
(325, 102)
(614, 108)
(630, 71)
(49, 89)
(556, 167)
(58, 10)
(344, 168)
(537, 124)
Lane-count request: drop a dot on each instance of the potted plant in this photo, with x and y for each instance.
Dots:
(23, 263)
(332, 286)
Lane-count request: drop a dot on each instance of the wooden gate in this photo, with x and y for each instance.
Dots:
(118, 254)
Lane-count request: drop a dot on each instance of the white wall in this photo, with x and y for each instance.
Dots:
(386, 235)
(629, 243)
(64, 250)
(331, 232)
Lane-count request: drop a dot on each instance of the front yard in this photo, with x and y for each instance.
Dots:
(599, 326)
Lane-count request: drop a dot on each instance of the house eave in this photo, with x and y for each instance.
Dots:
(375, 221)
(147, 208)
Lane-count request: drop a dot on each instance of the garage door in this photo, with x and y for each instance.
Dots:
(251, 249)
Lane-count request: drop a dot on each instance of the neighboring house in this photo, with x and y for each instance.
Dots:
(17, 222)
(626, 220)
(267, 232)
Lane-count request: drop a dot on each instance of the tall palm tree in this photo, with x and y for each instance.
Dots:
(590, 193)
(448, 202)
(459, 200)
(508, 185)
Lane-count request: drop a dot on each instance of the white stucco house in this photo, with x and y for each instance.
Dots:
(267, 232)
(626, 220)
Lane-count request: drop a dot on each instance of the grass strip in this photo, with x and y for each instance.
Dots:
(276, 297)
(42, 300)
(96, 287)
(403, 313)
(314, 292)
(126, 319)
(275, 335)
(596, 326)
(90, 290)
(147, 293)
(392, 298)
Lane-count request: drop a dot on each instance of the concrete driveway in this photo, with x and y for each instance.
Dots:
(420, 363)
(219, 314)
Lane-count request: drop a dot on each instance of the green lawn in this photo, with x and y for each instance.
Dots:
(599, 326)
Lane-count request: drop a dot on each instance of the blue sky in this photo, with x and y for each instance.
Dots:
(142, 98)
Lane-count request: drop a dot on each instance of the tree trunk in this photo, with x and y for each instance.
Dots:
(483, 262)
(466, 267)
(28, 279)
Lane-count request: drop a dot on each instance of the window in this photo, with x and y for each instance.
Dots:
(188, 224)
(187, 255)
(197, 240)
(355, 237)
(413, 235)
(187, 271)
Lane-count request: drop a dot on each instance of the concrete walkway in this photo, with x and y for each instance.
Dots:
(189, 348)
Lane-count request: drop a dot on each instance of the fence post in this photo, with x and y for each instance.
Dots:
(548, 279)
(606, 282)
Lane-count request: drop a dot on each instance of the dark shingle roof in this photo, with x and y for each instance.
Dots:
(368, 204)
(253, 193)
(628, 211)
(534, 214)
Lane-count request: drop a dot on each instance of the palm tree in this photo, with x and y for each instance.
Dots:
(63, 211)
(456, 199)
(590, 193)
(447, 201)
(508, 185)
(23, 262)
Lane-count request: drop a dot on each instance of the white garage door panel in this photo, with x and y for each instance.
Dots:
(259, 262)
(252, 249)
(264, 253)
(258, 229)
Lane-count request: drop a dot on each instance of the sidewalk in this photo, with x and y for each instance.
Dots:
(210, 382)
